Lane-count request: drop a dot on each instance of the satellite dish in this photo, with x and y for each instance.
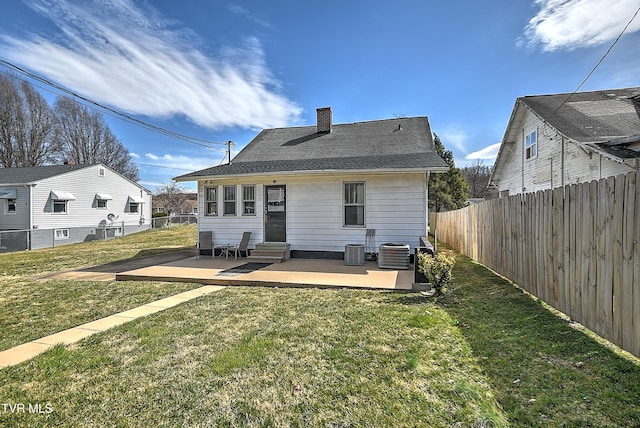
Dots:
(111, 216)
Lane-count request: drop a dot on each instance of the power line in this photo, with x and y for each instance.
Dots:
(599, 62)
(116, 113)
(165, 167)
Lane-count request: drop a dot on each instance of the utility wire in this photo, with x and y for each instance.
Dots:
(116, 113)
(165, 167)
(599, 62)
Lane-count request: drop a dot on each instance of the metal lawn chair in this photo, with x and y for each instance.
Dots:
(239, 248)
(205, 242)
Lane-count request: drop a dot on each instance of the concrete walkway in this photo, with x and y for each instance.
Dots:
(29, 350)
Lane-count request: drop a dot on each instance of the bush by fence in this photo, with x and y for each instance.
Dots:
(577, 248)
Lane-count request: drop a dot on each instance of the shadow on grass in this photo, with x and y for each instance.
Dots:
(144, 258)
(543, 370)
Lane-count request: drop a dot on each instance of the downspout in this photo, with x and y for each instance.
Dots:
(522, 169)
(426, 203)
(562, 161)
(31, 188)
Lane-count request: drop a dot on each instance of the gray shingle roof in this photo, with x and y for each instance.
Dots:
(35, 173)
(403, 143)
(591, 117)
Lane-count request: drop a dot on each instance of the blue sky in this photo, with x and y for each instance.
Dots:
(219, 71)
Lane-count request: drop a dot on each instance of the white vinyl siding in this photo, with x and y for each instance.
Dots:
(81, 212)
(14, 213)
(545, 170)
(395, 208)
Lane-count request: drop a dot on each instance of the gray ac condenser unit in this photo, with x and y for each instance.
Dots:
(393, 256)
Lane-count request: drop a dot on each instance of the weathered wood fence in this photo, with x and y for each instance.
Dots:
(576, 248)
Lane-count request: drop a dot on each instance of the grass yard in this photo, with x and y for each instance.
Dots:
(32, 308)
(486, 354)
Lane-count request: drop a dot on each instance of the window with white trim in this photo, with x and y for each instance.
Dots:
(531, 145)
(249, 200)
(210, 201)
(59, 206)
(10, 206)
(61, 233)
(229, 193)
(134, 207)
(354, 204)
(101, 203)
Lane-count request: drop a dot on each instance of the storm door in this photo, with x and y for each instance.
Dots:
(275, 213)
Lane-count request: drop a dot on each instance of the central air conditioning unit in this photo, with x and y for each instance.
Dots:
(393, 256)
(354, 255)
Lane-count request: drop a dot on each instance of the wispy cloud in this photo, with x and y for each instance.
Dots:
(456, 137)
(489, 152)
(135, 60)
(571, 24)
(241, 11)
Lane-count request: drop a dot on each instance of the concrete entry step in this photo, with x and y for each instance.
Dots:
(270, 252)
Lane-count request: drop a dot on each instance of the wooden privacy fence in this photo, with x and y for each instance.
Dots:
(576, 248)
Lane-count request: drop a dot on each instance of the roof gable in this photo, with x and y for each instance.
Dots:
(382, 144)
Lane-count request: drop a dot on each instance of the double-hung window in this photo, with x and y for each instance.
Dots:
(60, 206)
(210, 201)
(10, 206)
(531, 145)
(354, 203)
(229, 200)
(249, 200)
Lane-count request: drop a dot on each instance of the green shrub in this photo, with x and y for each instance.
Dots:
(437, 270)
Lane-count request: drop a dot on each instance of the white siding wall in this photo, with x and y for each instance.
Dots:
(19, 220)
(545, 169)
(82, 212)
(395, 208)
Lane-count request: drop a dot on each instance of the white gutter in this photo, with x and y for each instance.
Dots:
(315, 172)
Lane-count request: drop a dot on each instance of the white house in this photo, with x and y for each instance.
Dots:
(321, 187)
(62, 204)
(555, 140)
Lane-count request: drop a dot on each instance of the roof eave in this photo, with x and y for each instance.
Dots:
(315, 172)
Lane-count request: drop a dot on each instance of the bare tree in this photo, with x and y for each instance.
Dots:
(477, 176)
(83, 136)
(172, 197)
(26, 125)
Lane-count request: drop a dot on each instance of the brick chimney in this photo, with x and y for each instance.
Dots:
(323, 125)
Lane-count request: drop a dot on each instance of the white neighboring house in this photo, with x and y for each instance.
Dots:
(560, 139)
(321, 187)
(63, 204)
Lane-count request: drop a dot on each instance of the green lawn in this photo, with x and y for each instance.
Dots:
(484, 355)
(31, 308)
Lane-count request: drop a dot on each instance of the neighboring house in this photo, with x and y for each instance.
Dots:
(321, 187)
(556, 140)
(62, 204)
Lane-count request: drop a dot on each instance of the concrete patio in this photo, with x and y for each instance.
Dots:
(293, 272)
